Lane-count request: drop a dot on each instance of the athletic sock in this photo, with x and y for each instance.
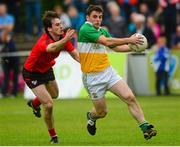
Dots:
(36, 102)
(52, 132)
(144, 125)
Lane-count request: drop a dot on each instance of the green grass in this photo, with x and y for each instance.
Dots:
(19, 127)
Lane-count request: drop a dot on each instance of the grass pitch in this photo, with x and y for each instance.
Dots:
(18, 126)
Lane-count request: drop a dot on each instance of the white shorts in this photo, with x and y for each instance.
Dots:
(98, 83)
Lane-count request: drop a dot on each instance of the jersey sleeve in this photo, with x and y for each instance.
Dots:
(42, 46)
(68, 46)
(91, 34)
(107, 33)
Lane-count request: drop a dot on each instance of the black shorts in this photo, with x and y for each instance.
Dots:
(34, 79)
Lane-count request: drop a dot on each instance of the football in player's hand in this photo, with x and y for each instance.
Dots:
(139, 47)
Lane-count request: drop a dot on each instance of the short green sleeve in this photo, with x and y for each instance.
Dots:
(92, 34)
(89, 34)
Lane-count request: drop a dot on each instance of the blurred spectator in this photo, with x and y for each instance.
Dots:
(127, 7)
(143, 29)
(161, 61)
(158, 15)
(144, 10)
(67, 3)
(116, 20)
(77, 18)
(175, 42)
(170, 13)
(33, 7)
(66, 22)
(82, 5)
(154, 26)
(131, 25)
(178, 12)
(8, 63)
(160, 18)
(14, 9)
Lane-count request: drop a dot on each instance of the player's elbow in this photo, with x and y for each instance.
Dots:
(51, 49)
(106, 43)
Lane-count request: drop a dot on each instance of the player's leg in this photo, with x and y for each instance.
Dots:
(52, 88)
(47, 102)
(33, 80)
(98, 111)
(32, 83)
(122, 90)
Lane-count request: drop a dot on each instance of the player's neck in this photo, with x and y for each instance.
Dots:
(55, 37)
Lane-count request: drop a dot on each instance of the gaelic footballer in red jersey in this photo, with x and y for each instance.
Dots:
(38, 73)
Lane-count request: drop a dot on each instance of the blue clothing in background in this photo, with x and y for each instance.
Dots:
(162, 59)
(6, 20)
(77, 21)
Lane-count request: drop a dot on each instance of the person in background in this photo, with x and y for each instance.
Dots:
(116, 20)
(161, 61)
(66, 22)
(38, 73)
(170, 17)
(175, 40)
(142, 28)
(131, 25)
(33, 8)
(144, 10)
(77, 18)
(6, 40)
(155, 27)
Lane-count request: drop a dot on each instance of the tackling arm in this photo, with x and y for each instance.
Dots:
(58, 45)
(75, 55)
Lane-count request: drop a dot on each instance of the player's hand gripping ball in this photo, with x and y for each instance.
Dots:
(139, 47)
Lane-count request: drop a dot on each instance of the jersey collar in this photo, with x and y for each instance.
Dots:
(87, 22)
(52, 37)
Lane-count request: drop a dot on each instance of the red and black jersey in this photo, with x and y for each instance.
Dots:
(39, 59)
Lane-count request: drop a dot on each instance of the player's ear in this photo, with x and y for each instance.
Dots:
(87, 17)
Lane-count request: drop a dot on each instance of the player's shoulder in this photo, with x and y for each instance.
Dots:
(86, 27)
(43, 41)
(103, 29)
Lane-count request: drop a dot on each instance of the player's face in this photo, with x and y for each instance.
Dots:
(95, 18)
(57, 27)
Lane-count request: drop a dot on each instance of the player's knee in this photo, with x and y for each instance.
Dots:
(130, 99)
(102, 113)
(49, 104)
(55, 94)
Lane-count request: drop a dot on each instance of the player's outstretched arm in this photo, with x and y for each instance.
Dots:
(113, 42)
(58, 45)
(75, 55)
(122, 48)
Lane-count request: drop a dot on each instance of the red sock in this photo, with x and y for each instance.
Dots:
(36, 102)
(52, 132)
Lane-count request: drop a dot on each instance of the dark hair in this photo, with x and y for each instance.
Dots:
(91, 8)
(48, 17)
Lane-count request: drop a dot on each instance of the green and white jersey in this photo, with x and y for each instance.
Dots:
(93, 56)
